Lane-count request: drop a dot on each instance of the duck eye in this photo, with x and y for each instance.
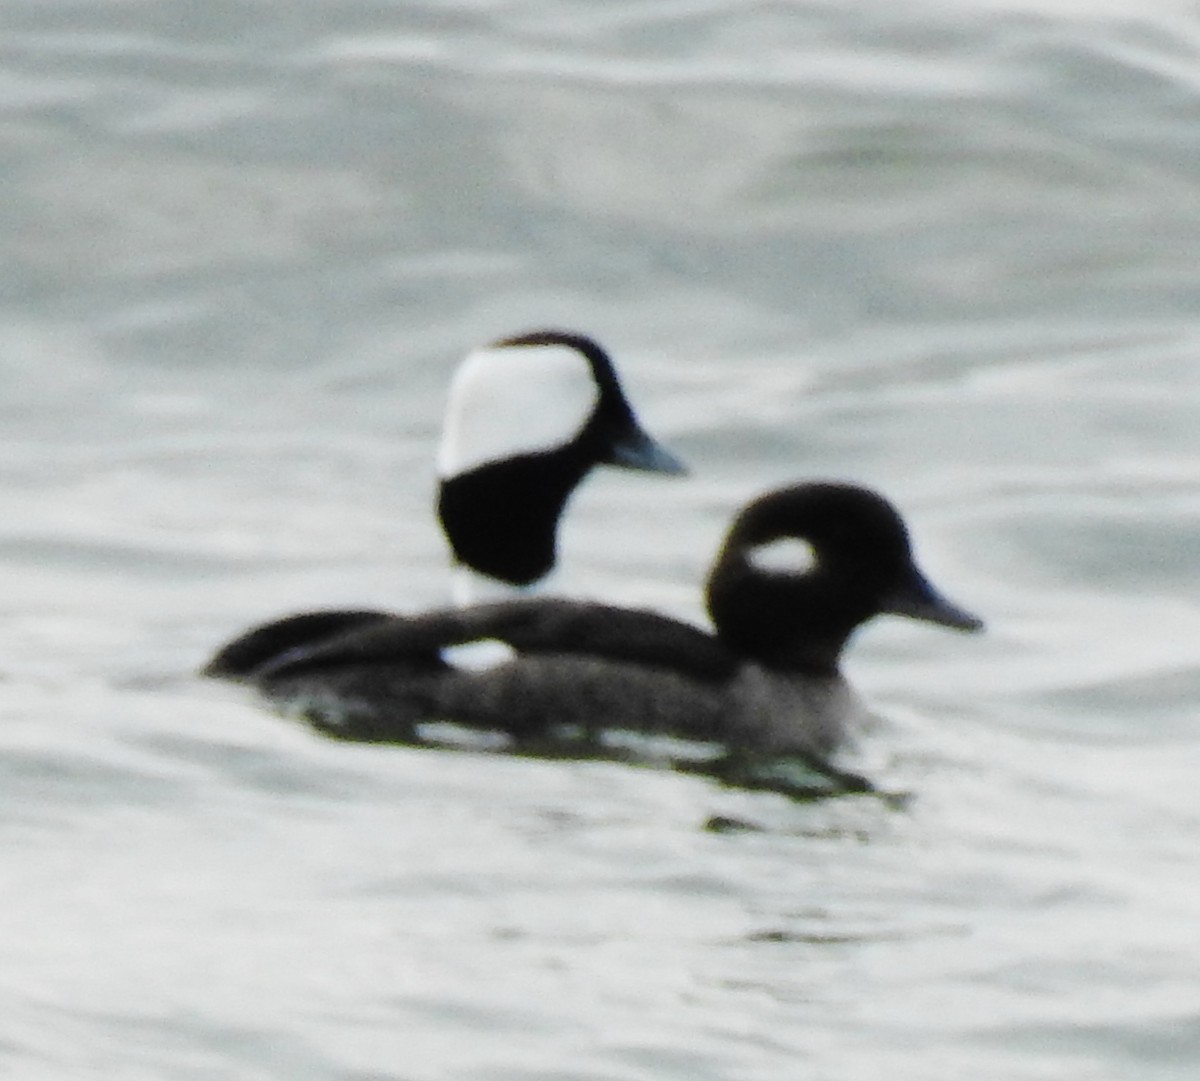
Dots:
(784, 555)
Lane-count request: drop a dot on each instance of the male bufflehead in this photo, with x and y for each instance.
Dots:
(527, 418)
(800, 569)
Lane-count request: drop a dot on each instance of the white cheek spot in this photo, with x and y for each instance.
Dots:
(514, 399)
(785, 555)
(482, 655)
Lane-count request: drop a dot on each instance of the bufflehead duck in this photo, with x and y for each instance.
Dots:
(527, 418)
(800, 569)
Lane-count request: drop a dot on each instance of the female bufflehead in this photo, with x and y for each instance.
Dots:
(800, 569)
(527, 418)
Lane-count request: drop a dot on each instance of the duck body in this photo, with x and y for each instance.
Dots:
(552, 666)
(765, 679)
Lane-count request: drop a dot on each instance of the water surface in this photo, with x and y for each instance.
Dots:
(949, 250)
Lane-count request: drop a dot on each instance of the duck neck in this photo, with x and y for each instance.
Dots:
(501, 519)
(790, 625)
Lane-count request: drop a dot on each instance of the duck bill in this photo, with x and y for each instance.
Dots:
(917, 599)
(635, 449)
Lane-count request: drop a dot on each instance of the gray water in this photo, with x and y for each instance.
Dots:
(951, 250)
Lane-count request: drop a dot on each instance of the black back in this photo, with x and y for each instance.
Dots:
(249, 652)
(530, 627)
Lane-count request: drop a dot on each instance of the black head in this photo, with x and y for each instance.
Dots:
(802, 567)
(500, 508)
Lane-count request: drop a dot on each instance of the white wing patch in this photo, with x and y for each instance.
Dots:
(517, 399)
(784, 555)
(482, 655)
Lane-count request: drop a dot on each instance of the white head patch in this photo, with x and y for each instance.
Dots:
(515, 399)
(784, 555)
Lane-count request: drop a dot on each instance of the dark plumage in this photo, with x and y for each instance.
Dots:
(500, 515)
(766, 680)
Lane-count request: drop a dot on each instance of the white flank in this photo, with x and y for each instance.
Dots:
(468, 586)
(478, 656)
(786, 555)
(510, 400)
